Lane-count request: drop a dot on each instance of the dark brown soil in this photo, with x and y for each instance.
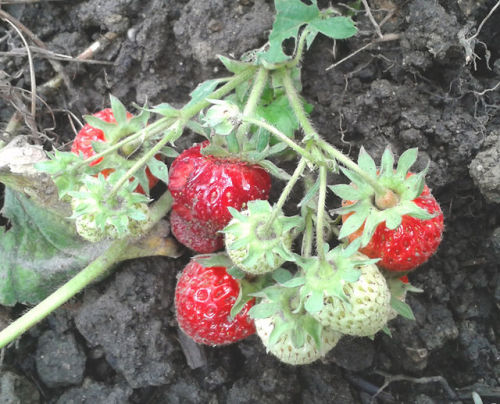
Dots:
(429, 87)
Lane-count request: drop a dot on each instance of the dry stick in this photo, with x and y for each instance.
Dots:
(16, 120)
(32, 74)
(372, 19)
(51, 55)
(420, 380)
(385, 38)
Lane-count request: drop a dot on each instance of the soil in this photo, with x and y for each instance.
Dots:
(434, 85)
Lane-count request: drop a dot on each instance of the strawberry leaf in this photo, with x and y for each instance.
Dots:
(291, 15)
(39, 252)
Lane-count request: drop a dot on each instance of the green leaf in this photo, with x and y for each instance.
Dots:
(274, 170)
(263, 310)
(355, 221)
(387, 163)
(202, 91)
(39, 252)
(366, 163)
(406, 160)
(392, 219)
(291, 15)
(347, 192)
(165, 109)
(159, 169)
(234, 66)
(119, 111)
(236, 273)
(314, 302)
(281, 275)
(402, 308)
(214, 260)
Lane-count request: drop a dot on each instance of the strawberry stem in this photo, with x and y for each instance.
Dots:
(284, 194)
(173, 133)
(281, 136)
(321, 214)
(252, 103)
(307, 238)
(90, 273)
(311, 133)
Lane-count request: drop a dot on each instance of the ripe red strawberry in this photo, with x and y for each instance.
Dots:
(403, 227)
(88, 134)
(411, 243)
(203, 188)
(204, 297)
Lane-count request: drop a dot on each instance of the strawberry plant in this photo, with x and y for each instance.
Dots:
(300, 279)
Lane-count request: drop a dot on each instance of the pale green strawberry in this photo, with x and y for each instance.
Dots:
(289, 352)
(253, 245)
(347, 293)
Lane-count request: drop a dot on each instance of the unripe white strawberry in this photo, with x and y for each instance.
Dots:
(287, 351)
(255, 241)
(367, 308)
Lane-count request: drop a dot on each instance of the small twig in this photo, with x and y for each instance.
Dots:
(385, 38)
(52, 55)
(372, 19)
(480, 94)
(32, 75)
(5, 2)
(420, 380)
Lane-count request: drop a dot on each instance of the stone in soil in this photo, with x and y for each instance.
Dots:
(60, 361)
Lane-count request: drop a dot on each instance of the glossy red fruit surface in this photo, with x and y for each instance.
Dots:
(88, 134)
(203, 187)
(409, 245)
(204, 297)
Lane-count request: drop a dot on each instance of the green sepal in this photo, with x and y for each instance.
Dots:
(165, 110)
(402, 308)
(280, 328)
(314, 302)
(356, 220)
(264, 310)
(203, 90)
(387, 163)
(235, 272)
(386, 330)
(347, 192)
(214, 260)
(234, 66)
(366, 163)
(274, 170)
(406, 160)
(158, 168)
(281, 275)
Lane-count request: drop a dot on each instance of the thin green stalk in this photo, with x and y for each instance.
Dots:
(186, 113)
(190, 111)
(285, 193)
(173, 133)
(90, 273)
(281, 136)
(311, 133)
(320, 218)
(307, 238)
(347, 162)
(252, 103)
(300, 49)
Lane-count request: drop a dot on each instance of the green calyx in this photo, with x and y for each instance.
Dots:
(282, 306)
(326, 279)
(256, 245)
(99, 216)
(124, 125)
(369, 208)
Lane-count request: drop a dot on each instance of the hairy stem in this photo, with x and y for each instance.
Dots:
(307, 238)
(173, 133)
(281, 136)
(252, 103)
(285, 193)
(90, 273)
(320, 218)
(311, 133)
